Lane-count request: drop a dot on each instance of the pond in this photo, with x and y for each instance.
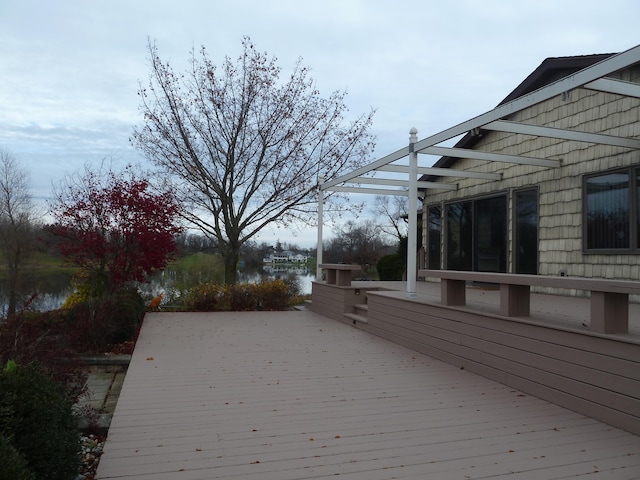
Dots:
(54, 286)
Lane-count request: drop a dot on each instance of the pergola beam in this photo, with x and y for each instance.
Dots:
(403, 152)
(371, 191)
(397, 182)
(489, 157)
(441, 172)
(564, 134)
(620, 87)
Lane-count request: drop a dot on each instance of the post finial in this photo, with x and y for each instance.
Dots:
(413, 135)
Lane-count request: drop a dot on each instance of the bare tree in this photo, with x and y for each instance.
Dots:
(394, 210)
(17, 224)
(362, 243)
(246, 150)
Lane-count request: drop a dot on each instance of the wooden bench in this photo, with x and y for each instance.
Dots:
(339, 274)
(609, 298)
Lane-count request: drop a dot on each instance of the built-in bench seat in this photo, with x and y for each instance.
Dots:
(339, 273)
(609, 298)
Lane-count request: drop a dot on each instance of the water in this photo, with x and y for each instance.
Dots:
(52, 288)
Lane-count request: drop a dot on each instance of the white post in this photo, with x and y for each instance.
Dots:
(320, 221)
(412, 240)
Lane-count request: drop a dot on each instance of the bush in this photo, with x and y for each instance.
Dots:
(390, 267)
(42, 339)
(203, 298)
(240, 297)
(209, 297)
(13, 466)
(37, 418)
(100, 323)
(274, 295)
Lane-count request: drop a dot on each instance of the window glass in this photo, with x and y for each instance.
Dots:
(638, 208)
(435, 228)
(490, 229)
(459, 236)
(526, 232)
(607, 211)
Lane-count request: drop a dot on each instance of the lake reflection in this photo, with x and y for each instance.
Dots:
(173, 282)
(45, 289)
(54, 287)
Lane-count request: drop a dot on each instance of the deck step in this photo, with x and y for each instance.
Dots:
(361, 308)
(354, 317)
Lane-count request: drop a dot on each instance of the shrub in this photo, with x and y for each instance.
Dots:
(239, 297)
(274, 295)
(209, 297)
(40, 338)
(99, 323)
(390, 267)
(13, 465)
(37, 418)
(203, 298)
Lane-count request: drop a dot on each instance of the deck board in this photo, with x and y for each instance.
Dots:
(294, 395)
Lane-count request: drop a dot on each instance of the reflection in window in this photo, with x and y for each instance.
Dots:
(459, 236)
(490, 232)
(476, 235)
(526, 232)
(433, 236)
(638, 208)
(607, 211)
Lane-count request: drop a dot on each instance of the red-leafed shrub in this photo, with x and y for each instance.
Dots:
(115, 227)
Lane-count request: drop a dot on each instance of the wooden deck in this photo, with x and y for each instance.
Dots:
(295, 395)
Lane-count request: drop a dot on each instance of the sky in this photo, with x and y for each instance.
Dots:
(70, 69)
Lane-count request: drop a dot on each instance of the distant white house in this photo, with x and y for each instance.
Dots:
(286, 257)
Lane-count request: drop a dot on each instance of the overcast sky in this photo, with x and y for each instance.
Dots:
(70, 69)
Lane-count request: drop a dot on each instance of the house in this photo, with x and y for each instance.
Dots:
(538, 195)
(563, 199)
(286, 257)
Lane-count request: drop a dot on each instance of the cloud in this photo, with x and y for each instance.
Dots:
(71, 68)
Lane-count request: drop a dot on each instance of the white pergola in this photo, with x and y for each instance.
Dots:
(594, 77)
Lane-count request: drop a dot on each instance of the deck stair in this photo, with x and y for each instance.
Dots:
(359, 314)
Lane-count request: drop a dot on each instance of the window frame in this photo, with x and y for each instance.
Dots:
(633, 172)
(473, 199)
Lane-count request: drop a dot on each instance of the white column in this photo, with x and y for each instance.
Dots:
(320, 221)
(412, 240)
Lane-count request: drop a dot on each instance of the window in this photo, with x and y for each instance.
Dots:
(476, 236)
(526, 231)
(612, 211)
(433, 236)
(459, 239)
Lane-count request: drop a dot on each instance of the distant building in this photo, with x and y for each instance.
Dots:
(286, 257)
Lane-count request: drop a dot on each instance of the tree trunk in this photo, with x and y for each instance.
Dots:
(231, 258)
